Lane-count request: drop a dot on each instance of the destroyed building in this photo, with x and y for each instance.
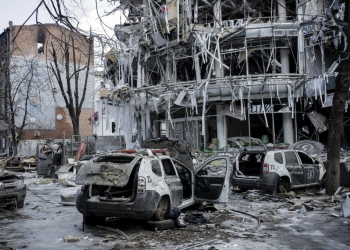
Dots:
(216, 69)
(25, 68)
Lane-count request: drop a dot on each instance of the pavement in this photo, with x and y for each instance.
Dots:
(250, 220)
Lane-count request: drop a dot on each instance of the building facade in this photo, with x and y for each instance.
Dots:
(223, 68)
(30, 88)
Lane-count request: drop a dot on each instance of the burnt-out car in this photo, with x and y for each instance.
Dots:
(12, 189)
(147, 185)
(275, 170)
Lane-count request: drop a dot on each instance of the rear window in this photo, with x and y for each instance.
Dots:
(156, 167)
(305, 159)
(278, 158)
(168, 167)
(114, 159)
(291, 158)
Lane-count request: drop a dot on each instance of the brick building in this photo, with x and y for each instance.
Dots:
(27, 68)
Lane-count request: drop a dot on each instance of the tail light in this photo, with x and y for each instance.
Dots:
(141, 185)
(83, 188)
(266, 168)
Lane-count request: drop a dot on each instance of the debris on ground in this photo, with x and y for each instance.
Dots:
(70, 238)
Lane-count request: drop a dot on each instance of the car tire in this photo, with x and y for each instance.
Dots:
(273, 191)
(243, 189)
(20, 204)
(161, 225)
(93, 220)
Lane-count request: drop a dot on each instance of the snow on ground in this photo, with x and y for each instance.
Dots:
(43, 222)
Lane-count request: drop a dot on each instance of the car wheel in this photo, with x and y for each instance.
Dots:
(51, 172)
(20, 204)
(283, 186)
(161, 225)
(159, 214)
(322, 184)
(273, 191)
(163, 209)
(93, 220)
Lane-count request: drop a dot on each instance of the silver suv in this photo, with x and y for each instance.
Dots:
(257, 168)
(146, 184)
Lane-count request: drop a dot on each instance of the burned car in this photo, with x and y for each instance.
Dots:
(275, 170)
(146, 185)
(12, 190)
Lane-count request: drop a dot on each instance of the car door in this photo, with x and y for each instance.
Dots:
(212, 179)
(294, 168)
(173, 181)
(311, 170)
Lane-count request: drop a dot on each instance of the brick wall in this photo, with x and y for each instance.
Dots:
(26, 42)
(64, 125)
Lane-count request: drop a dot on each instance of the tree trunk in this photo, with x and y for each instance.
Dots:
(76, 131)
(336, 127)
(13, 142)
(336, 118)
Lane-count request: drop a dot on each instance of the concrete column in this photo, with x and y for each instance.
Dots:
(220, 126)
(217, 13)
(285, 61)
(282, 11)
(167, 125)
(288, 128)
(220, 119)
(287, 117)
(147, 134)
(284, 54)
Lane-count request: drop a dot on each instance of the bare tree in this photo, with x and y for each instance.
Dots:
(17, 77)
(68, 66)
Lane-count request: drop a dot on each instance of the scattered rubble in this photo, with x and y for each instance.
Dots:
(70, 238)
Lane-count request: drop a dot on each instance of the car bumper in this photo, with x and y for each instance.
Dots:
(10, 196)
(266, 182)
(143, 207)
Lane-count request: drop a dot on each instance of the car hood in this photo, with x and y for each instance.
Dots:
(105, 173)
(309, 147)
(5, 173)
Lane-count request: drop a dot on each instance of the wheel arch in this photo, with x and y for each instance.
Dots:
(286, 181)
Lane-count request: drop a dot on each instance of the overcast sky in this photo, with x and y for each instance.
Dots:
(19, 10)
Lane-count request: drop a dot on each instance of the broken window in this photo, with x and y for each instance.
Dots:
(291, 158)
(168, 167)
(305, 159)
(278, 158)
(113, 127)
(156, 167)
(40, 48)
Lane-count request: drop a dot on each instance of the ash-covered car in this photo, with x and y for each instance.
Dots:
(12, 190)
(146, 185)
(276, 170)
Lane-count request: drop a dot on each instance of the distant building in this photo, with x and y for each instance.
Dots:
(25, 56)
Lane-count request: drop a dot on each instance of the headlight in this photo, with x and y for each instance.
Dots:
(1, 185)
(20, 184)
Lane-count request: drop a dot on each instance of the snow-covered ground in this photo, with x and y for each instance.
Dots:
(44, 222)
